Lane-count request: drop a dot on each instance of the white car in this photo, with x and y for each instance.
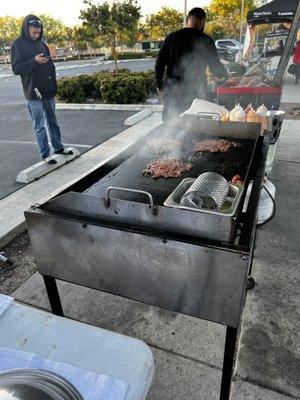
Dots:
(230, 44)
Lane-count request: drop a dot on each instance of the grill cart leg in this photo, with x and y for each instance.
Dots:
(231, 334)
(53, 295)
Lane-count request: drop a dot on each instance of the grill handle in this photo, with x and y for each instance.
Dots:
(207, 115)
(153, 207)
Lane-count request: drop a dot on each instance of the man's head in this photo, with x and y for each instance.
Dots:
(34, 28)
(196, 18)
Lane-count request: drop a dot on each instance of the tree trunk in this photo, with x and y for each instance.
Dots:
(114, 56)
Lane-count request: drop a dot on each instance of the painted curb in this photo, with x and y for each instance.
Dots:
(136, 118)
(105, 107)
(42, 168)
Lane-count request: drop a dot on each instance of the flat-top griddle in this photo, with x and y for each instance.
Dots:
(130, 173)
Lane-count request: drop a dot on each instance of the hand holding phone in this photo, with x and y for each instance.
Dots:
(41, 59)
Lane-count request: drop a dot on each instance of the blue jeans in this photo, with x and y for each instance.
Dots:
(41, 111)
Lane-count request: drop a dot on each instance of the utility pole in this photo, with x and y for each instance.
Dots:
(184, 12)
(241, 29)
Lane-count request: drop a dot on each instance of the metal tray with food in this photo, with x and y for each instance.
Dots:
(229, 208)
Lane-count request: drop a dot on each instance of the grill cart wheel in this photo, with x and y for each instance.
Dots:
(250, 283)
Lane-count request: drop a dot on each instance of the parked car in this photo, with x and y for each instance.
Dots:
(230, 44)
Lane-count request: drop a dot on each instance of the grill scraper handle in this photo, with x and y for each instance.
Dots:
(153, 207)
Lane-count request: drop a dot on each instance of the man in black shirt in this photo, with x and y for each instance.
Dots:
(181, 64)
(30, 58)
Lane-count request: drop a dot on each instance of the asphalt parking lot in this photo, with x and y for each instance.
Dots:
(82, 129)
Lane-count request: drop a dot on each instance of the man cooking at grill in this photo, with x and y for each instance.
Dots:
(183, 59)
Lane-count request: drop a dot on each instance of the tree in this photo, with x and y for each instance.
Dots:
(143, 32)
(55, 32)
(224, 17)
(160, 24)
(113, 24)
(10, 29)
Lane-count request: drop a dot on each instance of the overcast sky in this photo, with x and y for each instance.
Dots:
(68, 10)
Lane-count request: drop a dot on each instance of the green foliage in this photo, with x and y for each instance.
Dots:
(149, 79)
(124, 87)
(224, 17)
(115, 24)
(160, 24)
(87, 83)
(55, 32)
(70, 89)
(132, 56)
(82, 36)
(10, 29)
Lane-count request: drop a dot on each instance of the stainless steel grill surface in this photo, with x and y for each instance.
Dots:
(129, 173)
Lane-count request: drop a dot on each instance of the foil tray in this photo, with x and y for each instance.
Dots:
(229, 207)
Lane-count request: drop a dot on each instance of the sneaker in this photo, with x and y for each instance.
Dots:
(64, 151)
(50, 161)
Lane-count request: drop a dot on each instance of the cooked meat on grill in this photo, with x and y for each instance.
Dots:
(168, 168)
(215, 146)
(164, 146)
(237, 180)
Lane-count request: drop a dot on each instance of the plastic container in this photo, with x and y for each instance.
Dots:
(266, 206)
(252, 116)
(240, 115)
(248, 108)
(270, 158)
(232, 113)
(262, 117)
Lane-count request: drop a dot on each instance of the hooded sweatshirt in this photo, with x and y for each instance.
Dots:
(33, 75)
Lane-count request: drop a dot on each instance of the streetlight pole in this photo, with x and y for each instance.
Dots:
(184, 12)
(241, 29)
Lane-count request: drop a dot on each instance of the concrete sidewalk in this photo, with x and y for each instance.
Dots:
(268, 363)
(291, 92)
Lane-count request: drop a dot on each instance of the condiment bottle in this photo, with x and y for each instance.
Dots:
(252, 116)
(232, 114)
(262, 117)
(239, 107)
(248, 108)
(225, 117)
(240, 115)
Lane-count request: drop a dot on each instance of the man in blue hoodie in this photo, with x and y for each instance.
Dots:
(30, 58)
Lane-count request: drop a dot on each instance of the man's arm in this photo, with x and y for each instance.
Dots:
(49, 56)
(20, 67)
(213, 60)
(161, 62)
